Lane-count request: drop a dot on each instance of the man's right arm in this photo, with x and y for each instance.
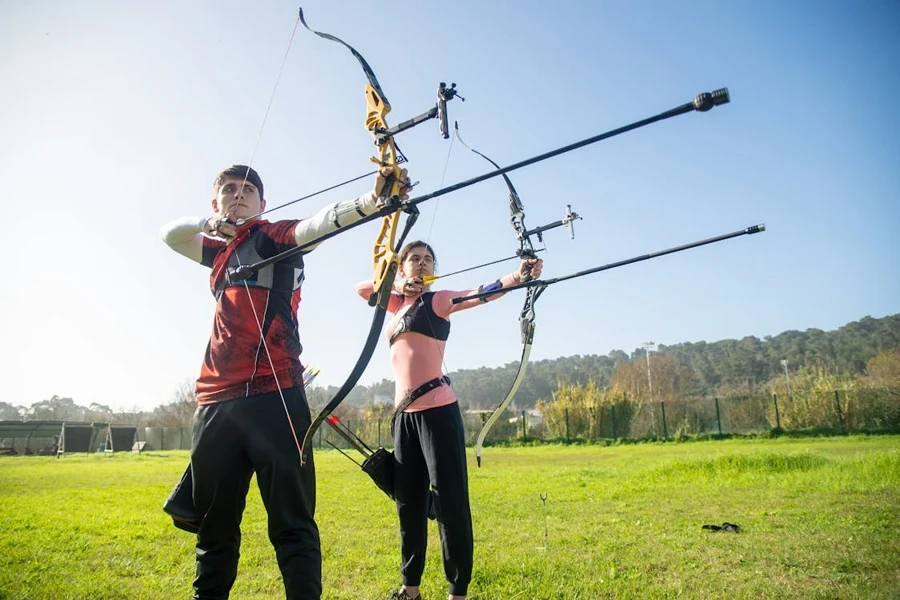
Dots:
(185, 236)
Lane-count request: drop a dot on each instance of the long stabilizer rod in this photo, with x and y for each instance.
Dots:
(621, 263)
(702, 103)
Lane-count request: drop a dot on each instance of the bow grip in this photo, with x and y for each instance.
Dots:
(386, 272)
(393, 186)
(384, 277)
(523, 254)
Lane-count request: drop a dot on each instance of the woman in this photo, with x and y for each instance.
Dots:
(429, 437)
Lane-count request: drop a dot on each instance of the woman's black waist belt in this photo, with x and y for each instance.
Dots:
(422, 390)
(417, 393)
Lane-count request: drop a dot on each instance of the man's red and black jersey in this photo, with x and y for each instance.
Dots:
(237, 362)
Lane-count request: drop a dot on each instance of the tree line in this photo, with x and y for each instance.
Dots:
(864, 352)
(691, 369)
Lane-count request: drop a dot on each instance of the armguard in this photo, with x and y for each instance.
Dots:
(489, 287)
(342, 209)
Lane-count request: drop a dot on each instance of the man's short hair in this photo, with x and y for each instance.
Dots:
(243, 172)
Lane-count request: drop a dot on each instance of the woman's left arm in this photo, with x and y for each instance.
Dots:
(530, 268)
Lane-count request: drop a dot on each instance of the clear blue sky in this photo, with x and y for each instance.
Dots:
(116, 116)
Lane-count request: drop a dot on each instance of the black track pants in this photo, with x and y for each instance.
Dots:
(231, 441)
(430, 447)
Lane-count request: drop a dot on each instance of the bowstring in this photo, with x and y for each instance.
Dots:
(431, 324)
(428, 242)
(525, 243)
(259, 324)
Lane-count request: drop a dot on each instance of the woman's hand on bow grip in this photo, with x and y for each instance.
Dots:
(529, 269)
(410, 286)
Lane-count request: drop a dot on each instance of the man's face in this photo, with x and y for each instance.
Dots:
(237, 199)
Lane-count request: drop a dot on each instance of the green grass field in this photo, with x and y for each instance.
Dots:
(819, 519)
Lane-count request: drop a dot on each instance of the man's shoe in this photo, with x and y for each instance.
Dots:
(401, 595)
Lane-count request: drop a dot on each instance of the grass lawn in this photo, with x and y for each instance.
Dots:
(819, 519)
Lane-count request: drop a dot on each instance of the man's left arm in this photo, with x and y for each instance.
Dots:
(342, 214)
(332, 218)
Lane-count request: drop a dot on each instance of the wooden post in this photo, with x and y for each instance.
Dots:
(665, 428)
(718, 417)
(837, 406)
(777, 417)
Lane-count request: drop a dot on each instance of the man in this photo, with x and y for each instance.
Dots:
(252, 409)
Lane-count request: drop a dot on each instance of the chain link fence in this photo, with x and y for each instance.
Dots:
(832, 411)
(164, 438)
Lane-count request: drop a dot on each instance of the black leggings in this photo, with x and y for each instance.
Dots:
(231, 441)
(430, 447)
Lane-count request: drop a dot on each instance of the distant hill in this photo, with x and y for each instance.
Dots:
(713, 364)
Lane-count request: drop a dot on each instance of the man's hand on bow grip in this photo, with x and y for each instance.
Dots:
(390, 183)
(221, 227)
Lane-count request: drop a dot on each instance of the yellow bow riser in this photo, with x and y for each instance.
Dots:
(383, 255)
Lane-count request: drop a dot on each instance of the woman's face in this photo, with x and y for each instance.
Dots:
(418, 263)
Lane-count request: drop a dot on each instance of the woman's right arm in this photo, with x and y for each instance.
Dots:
(366, 288)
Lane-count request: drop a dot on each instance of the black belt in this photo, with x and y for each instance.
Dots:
(417, 393)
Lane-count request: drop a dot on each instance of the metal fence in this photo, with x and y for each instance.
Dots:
(165, 438)
(833, 411)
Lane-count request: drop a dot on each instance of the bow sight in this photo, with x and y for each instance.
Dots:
(439, 111)
(567, 221)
